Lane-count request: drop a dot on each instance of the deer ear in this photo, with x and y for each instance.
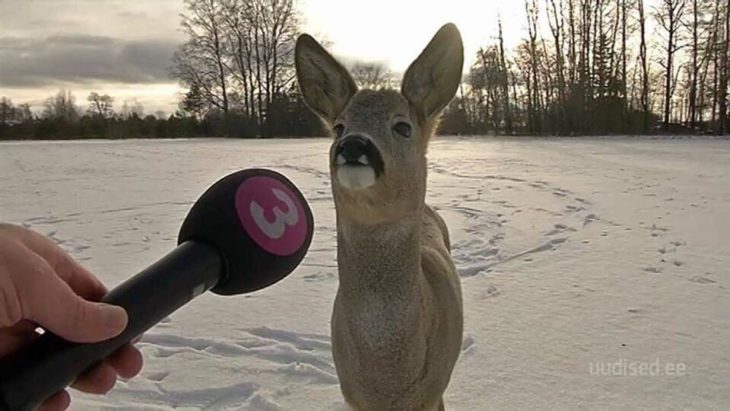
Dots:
(432, 80)
(325, 84)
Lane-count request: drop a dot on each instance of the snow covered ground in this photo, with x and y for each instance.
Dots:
(581, 260)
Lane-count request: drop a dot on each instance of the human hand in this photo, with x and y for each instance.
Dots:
(41, 285)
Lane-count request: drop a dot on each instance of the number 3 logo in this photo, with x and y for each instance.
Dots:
(276, 229)
(272, 215)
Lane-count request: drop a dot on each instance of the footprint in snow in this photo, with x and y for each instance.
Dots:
(157, 376)
(559, 228)
(699, 279)
(589, 219)
(491, 292)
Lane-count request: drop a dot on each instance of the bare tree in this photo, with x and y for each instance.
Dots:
(644, 62)
(7, 110)
(585, 66)
(100, 105)
(695, 66)
(260, 35)
(504, 80)
(240, 22)
(62, 106)
(555, 19)
(535, 111)
(623, 8)
(202, 60)
(572, 42)
(669, 15)
(372, 76)
(23, 113)
(721, 127)
(487, 84)
(132, 108)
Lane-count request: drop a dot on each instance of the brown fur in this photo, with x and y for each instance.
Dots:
(397, 318)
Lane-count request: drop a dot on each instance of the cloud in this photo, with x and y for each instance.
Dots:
(79, 58)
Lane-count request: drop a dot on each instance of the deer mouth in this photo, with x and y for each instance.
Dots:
(357, 162)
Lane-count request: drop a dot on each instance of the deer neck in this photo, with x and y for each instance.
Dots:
(380, 260)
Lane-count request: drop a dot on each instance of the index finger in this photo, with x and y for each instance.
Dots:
(81, 281)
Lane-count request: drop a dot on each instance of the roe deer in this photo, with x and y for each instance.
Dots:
(397, 318)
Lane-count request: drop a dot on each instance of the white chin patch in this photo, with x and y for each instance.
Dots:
(355, 177)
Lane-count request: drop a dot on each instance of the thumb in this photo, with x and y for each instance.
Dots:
(51, 303)
(82, 321)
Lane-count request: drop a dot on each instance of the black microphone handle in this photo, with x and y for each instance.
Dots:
(50, 364)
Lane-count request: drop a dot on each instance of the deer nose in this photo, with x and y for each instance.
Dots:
(358, 150)
(353, 149)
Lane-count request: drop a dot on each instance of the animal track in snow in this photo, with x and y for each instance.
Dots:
(491, 292)
(320, 276)
(589, 219)
(656, 231)
(235, 396)
(306, 354)
(479, 217)
(574, 209)
(702, 279)
(560, 228)
(157, 376)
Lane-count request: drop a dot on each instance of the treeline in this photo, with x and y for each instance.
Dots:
(584, 67)
(62, 118)
(603, 67)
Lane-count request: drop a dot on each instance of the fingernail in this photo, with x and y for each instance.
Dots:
(115, 318)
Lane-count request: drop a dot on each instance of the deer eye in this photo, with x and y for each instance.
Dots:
(403, 129)
(338, 129)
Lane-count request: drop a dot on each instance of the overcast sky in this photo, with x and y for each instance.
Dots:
(123, 47)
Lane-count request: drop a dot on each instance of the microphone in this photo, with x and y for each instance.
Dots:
(246, 232)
